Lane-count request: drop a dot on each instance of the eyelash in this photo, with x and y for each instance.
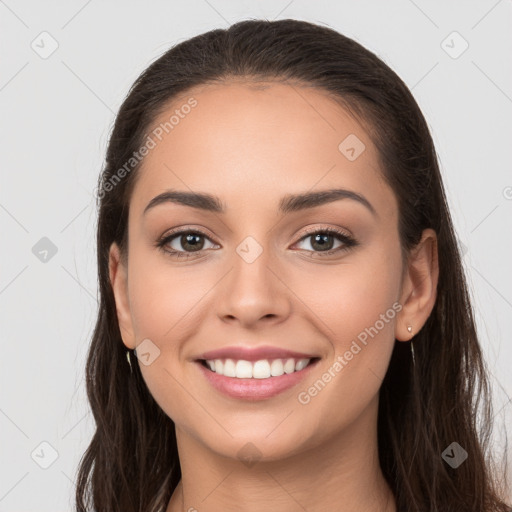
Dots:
(347, 240)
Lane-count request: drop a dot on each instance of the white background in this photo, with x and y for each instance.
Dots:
(57, 113)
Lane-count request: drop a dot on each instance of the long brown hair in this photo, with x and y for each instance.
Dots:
(131, 464)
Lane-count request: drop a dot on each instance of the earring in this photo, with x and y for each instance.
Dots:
(128, 358)
(409, 329)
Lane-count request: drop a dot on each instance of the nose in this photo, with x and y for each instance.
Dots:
(254, 291)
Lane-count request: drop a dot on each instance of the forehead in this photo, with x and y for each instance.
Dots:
(246, 140)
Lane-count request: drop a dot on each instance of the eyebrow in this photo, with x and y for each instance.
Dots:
(288, 204)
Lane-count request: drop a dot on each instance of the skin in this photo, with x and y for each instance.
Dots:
(250, 145)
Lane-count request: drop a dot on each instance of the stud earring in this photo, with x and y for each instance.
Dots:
(409, 328)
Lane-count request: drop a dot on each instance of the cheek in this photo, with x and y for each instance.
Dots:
(164, 300)
(351, 296)
(358, 306)
(165, 304)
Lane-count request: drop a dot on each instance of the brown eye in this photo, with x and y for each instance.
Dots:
(190, 241)
(323, 240)
(185, 242)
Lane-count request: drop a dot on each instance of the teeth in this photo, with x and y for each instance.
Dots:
(277, 368)
(262, 369)
(301, 364)
(229, 368)
(219, 366)
(289, 366)
(243, 369)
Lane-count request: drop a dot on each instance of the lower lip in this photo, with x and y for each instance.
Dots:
(255, 389)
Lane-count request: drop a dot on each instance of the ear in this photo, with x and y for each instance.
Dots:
(119, 281)
(419, 286)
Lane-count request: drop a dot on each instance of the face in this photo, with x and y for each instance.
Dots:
(319, 278)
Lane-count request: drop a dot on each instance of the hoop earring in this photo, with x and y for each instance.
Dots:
(409, 329)
(128, 358)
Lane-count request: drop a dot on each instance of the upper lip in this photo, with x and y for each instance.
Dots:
(253, 354)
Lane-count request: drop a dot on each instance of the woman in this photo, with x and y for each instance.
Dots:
(276, 253)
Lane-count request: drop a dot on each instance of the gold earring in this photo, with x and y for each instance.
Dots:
(129, 360)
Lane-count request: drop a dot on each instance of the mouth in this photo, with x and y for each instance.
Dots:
(255, 380)
(261, 369)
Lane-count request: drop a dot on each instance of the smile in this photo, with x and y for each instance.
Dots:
(262, 369)
(257, 380)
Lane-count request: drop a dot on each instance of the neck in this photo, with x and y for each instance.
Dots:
(342, 473)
